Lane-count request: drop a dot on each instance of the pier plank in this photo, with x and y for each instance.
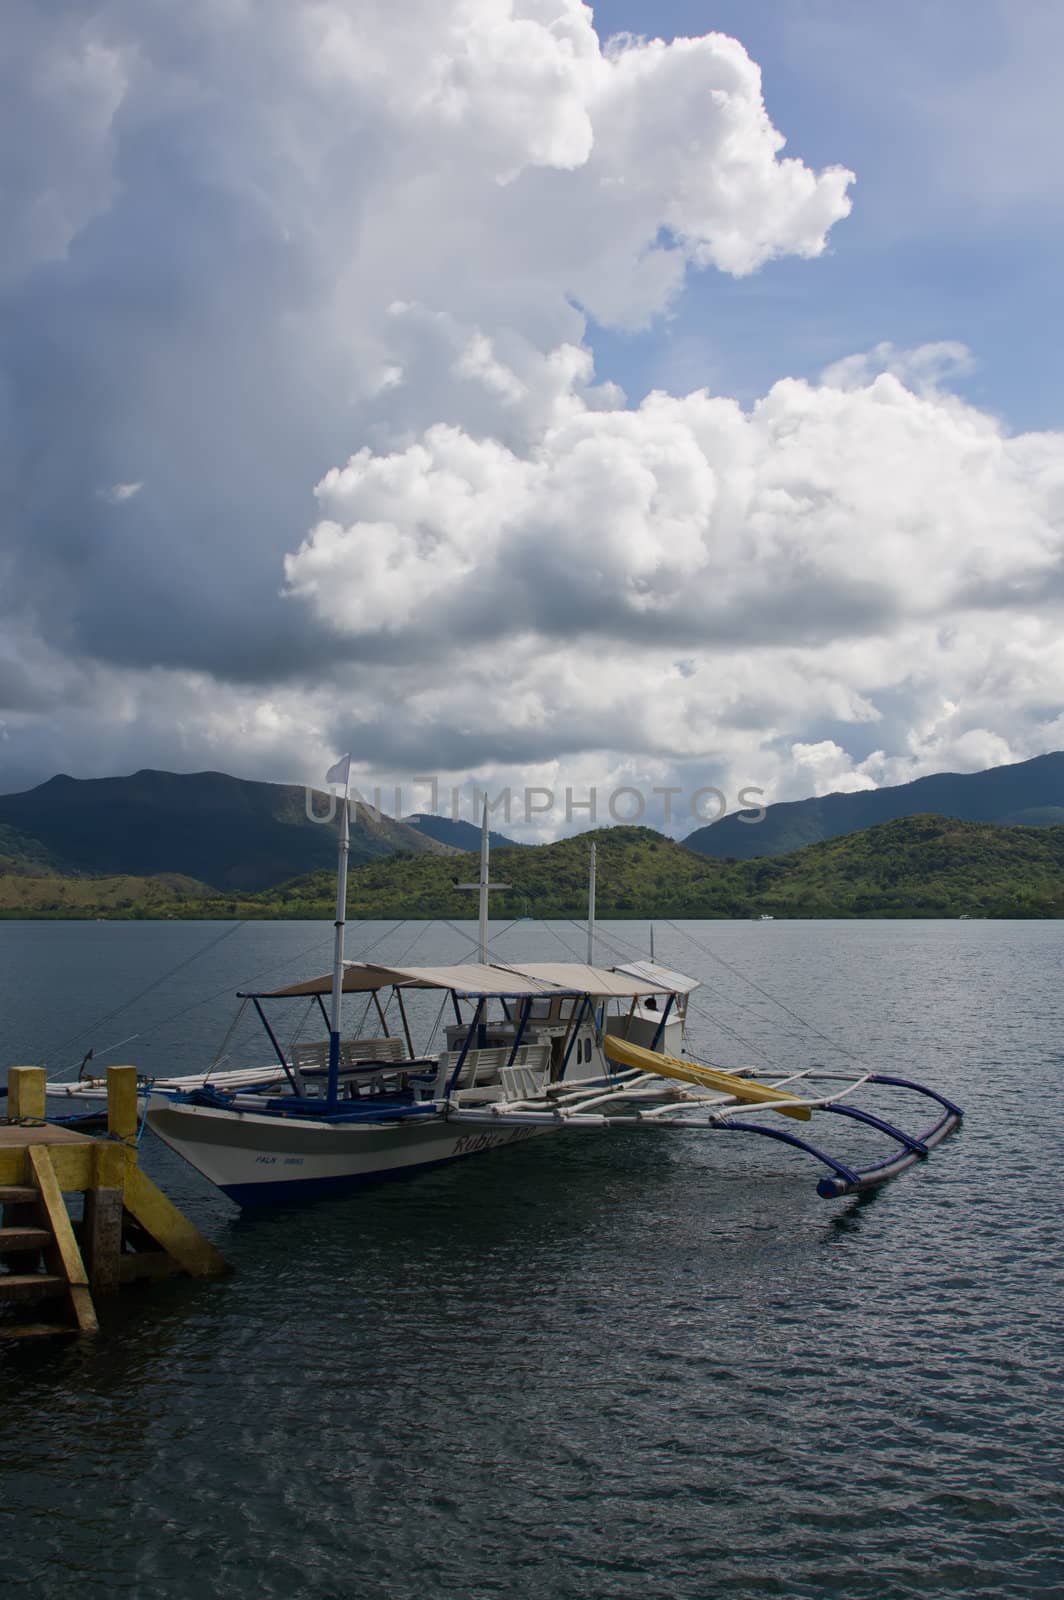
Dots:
(14, 1136)
(31, 1286)
(17, 1239)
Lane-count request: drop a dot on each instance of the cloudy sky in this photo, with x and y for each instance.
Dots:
(663, 394)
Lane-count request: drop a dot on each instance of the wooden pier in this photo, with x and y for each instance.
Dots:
(128, 1229)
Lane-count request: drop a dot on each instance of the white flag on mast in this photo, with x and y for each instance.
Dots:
(341, 773)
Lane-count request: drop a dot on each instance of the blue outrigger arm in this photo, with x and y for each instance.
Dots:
(851, 1180)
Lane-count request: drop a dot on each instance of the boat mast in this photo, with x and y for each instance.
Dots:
(485, 884)
(340, 773)
(591, 908)
(484, 887)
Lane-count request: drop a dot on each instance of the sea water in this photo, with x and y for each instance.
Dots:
(618, 1365)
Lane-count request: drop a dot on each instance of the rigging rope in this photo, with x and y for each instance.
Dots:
(827, 1039)
(435, 1026)
(699, 1006)
(224, 1046)
(173, 971)
(217, 994)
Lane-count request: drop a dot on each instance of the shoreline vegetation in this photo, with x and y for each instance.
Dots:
(922, 866)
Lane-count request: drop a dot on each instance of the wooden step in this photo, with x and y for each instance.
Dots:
(13, 1239)
(35, 1330)
(31, 1286)
(13, 1194)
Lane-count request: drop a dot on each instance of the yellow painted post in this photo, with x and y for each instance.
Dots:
(169, 1228)
(66, 1245)
(25, 1094)
(122, 1102)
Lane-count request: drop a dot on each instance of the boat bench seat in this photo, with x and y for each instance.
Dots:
(485, 1066)
(313, 1055)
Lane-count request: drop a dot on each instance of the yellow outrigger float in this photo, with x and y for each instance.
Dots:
(765, 1096)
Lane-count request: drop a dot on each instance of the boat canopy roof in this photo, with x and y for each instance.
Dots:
(479, 979)
(664, 981)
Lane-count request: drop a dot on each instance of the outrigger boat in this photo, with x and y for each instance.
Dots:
(533, 1048)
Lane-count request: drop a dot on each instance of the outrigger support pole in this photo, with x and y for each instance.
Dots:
(871, 1177)
(847, 1174)
(850, 1180)
(917, 1146)
(918, 1088)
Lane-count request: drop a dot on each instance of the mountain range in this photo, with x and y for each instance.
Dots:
(231, 833)
(1024, 794)
(923, 866)
(456, 832)
(160, 843)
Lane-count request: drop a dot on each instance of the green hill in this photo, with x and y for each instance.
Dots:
(1027, 793)
(19, 853)
(229, 832)
(925, 866)
(548, 881)
(31, 894)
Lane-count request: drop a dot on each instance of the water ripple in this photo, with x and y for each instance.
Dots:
(618, 1368)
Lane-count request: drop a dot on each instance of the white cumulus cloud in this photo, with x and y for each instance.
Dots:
(359, 245)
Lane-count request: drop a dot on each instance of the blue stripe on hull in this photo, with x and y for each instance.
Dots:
(258, 1194)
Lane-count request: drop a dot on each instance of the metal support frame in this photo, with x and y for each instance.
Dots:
(660, 1030)
(273, 1040)
(406, 1024)
(466, 1044)
(380, 1013)
(585, 1002)
(526, 1012)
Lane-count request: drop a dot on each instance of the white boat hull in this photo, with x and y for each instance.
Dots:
(259, 1160)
